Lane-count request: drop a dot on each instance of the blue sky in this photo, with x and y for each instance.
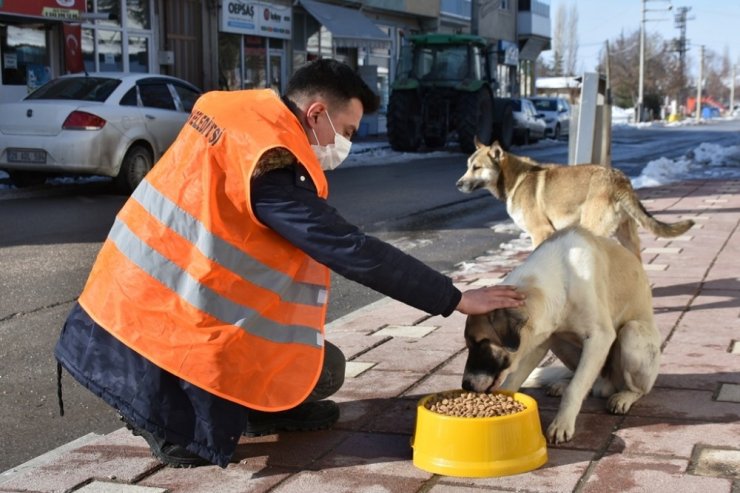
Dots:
(716, 24)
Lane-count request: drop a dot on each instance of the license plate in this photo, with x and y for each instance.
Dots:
(26, 156)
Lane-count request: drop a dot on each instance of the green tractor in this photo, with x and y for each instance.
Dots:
(446, 84)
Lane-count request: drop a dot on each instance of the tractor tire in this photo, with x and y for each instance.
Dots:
(136, 164)
(474, 119)
(404, 121)
(503, 128)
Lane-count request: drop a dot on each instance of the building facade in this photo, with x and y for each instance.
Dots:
(243, 44)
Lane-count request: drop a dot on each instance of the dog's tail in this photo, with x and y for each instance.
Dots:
(629, 201)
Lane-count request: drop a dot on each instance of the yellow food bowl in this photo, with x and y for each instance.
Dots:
(479, 447)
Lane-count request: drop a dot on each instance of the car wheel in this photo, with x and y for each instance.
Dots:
(136, 164)
(556, 133)
(22, 179)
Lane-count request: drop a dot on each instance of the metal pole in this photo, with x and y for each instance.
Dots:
(698, 83)
(642, 64)
(474, 13)
(732, 90)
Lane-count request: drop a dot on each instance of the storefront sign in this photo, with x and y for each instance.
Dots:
(52, 9)
(256, 18)
(508, 52)
(10, 61)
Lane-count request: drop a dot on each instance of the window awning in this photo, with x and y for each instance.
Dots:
(349, 28)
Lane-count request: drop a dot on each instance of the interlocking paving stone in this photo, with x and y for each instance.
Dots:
(729, 392)
(717, 462)
(417, 331)
(106, 487)
(562, 472)
(356, 368)
(735, 347)
(236, 478)
(118, 455)
(682, 238)
(661, 436)
(653, 267)
(639, 474)
(662, 250)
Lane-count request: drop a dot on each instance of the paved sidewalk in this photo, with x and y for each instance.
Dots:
(683, 437)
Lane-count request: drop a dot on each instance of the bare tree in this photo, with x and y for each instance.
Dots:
(571, 45)
(558, 41)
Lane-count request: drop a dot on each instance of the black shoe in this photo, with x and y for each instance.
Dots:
(168, 453)
(308, 416)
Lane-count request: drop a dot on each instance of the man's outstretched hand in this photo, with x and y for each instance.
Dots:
(483, 300)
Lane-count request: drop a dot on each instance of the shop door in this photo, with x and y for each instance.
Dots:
(277, 71)
(184, 37)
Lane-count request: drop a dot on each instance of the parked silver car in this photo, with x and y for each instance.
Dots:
(111, 124)
(529, 126)
(557, 115)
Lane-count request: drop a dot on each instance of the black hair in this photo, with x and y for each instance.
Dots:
(334, 80)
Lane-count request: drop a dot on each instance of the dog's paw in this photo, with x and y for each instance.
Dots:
(621, 402)
(556, 389)
(560, 431)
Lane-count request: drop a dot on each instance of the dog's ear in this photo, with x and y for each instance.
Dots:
(496, 151)
(478, 143)
(510, 322)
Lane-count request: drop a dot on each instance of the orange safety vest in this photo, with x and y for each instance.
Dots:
(191, 280)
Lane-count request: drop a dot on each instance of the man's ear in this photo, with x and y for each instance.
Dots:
(313, 111)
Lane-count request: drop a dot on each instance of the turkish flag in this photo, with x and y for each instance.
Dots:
(73, 48)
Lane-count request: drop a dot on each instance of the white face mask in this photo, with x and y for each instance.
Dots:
(330, 156)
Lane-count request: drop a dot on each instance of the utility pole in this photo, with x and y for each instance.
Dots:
(698, 83)
(681, 46)
(642, 64)
(641, 89)
(732, 90)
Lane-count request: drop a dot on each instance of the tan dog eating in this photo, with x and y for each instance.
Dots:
(590, 303)
(542, 199)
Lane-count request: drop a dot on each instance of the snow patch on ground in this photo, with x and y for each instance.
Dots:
(708, 161)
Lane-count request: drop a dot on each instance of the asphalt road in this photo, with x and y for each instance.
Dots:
(50, 235)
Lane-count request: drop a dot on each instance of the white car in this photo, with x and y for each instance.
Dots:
(557, 115)
(529, 126)
(111, 124)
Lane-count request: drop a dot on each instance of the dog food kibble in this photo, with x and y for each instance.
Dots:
(474, 405)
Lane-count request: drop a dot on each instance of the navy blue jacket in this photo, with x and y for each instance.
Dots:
(151, 398)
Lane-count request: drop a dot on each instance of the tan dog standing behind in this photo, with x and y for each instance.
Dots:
(542, 199)
(589, 302)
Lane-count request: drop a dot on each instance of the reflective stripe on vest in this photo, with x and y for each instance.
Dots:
(222, 252)
(203, 298)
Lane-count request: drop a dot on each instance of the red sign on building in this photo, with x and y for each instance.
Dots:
(68, 10)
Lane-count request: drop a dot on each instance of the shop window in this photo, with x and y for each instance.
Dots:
(255, 62)
(229, 61)
(138, 54)
(110, 51)
(137, 13)
(24, 51)
(110, 7)
(88, 49)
